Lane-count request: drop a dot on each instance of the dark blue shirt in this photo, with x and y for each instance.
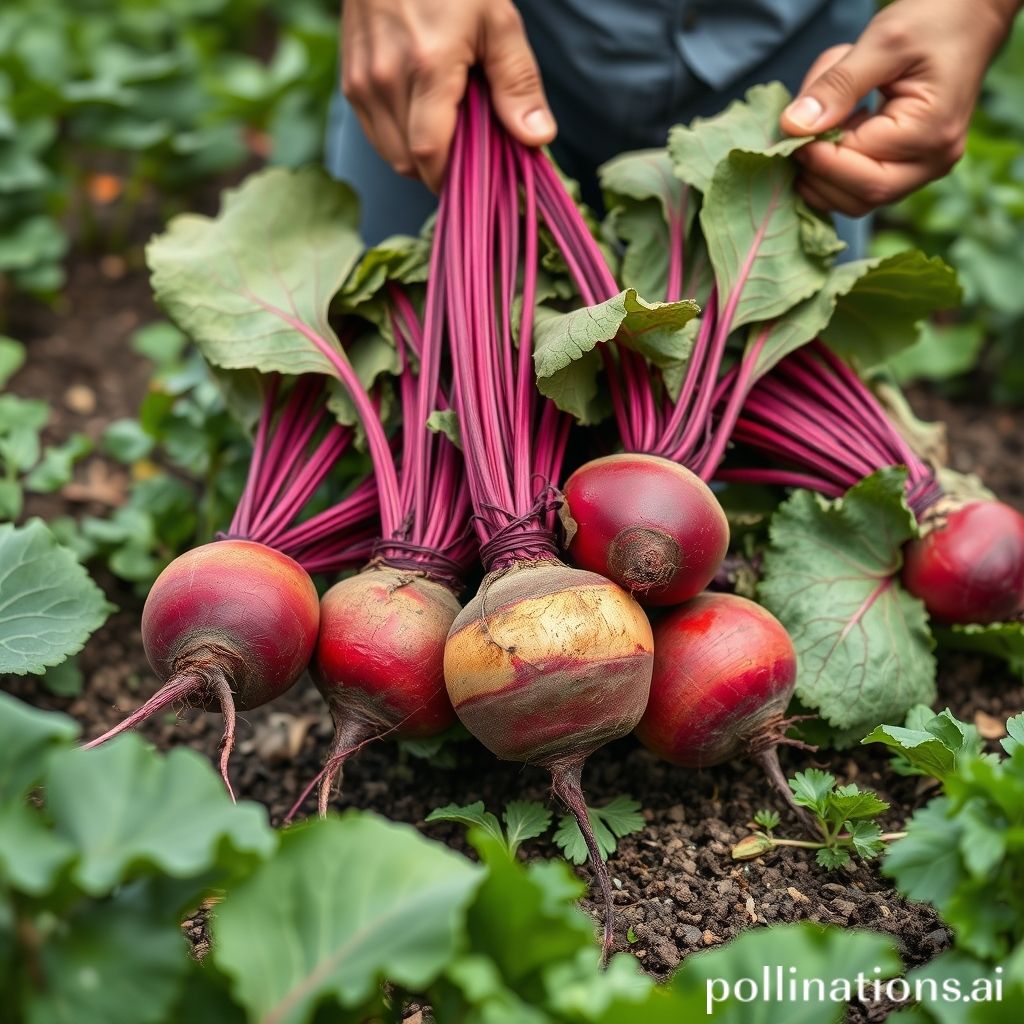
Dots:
(618, 75)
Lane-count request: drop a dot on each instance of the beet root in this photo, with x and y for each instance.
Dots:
(648, 524)
(968, 565)
(724, 673)
(380, 661)
(227, 626)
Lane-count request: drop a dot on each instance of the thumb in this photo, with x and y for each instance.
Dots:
(827, 99)
(514, 78)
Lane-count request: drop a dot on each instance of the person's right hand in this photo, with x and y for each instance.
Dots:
(404, 66)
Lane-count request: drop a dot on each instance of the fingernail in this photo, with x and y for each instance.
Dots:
(538, 122)
(805, 112)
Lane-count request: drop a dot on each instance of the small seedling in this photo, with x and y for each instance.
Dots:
(843, 815)
(527, 819)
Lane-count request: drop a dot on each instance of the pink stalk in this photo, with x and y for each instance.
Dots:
(814, 412)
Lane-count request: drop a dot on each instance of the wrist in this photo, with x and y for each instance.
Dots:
(1001, 14)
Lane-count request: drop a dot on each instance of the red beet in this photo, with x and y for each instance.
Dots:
(379, 660)
(969, 565)
(648, 524)
(227, 626)
(724, 672)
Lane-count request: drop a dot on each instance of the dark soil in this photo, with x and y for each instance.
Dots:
(678, 890)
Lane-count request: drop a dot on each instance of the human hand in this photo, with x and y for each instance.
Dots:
(928, 59)
(404, 66)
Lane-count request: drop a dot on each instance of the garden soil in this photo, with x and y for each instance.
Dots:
(677, 889)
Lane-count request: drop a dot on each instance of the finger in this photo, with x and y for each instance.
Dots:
(372, 83)
(831, 97)
(909, 128)
(876, 182)
(433, 112)
(391, 142)
(824, 196)
(824, 61)
(514, 78)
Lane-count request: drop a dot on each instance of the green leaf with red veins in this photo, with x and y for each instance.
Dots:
(831, 576)
(751, 124)
(642, 195)
(754, 230)
(253, 285)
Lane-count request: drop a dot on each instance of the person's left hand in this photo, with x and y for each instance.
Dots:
(927, 58)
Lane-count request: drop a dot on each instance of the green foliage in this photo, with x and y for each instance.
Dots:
(844, 815)
(117, 843)
(830, 575)
(94, 876)
(527, 819)
(564, 343)
(934, 745)
(1003, 640)
(703, 988)
(25, 462)
(187, 456)
(974, 218)
(617, 818)
(750, 125)
(49, 604)
(964, 851)
(173, 92)
(221, 279)
(291, 936)
(524, 819)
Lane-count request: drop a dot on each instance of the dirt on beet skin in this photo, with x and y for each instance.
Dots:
(677, 888)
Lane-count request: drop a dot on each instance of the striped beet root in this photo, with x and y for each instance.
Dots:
(546, 663)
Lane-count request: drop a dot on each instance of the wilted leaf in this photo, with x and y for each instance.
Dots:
(643, 197)
(562, 340)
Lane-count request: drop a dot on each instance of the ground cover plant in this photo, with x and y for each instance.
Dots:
(449, 369)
